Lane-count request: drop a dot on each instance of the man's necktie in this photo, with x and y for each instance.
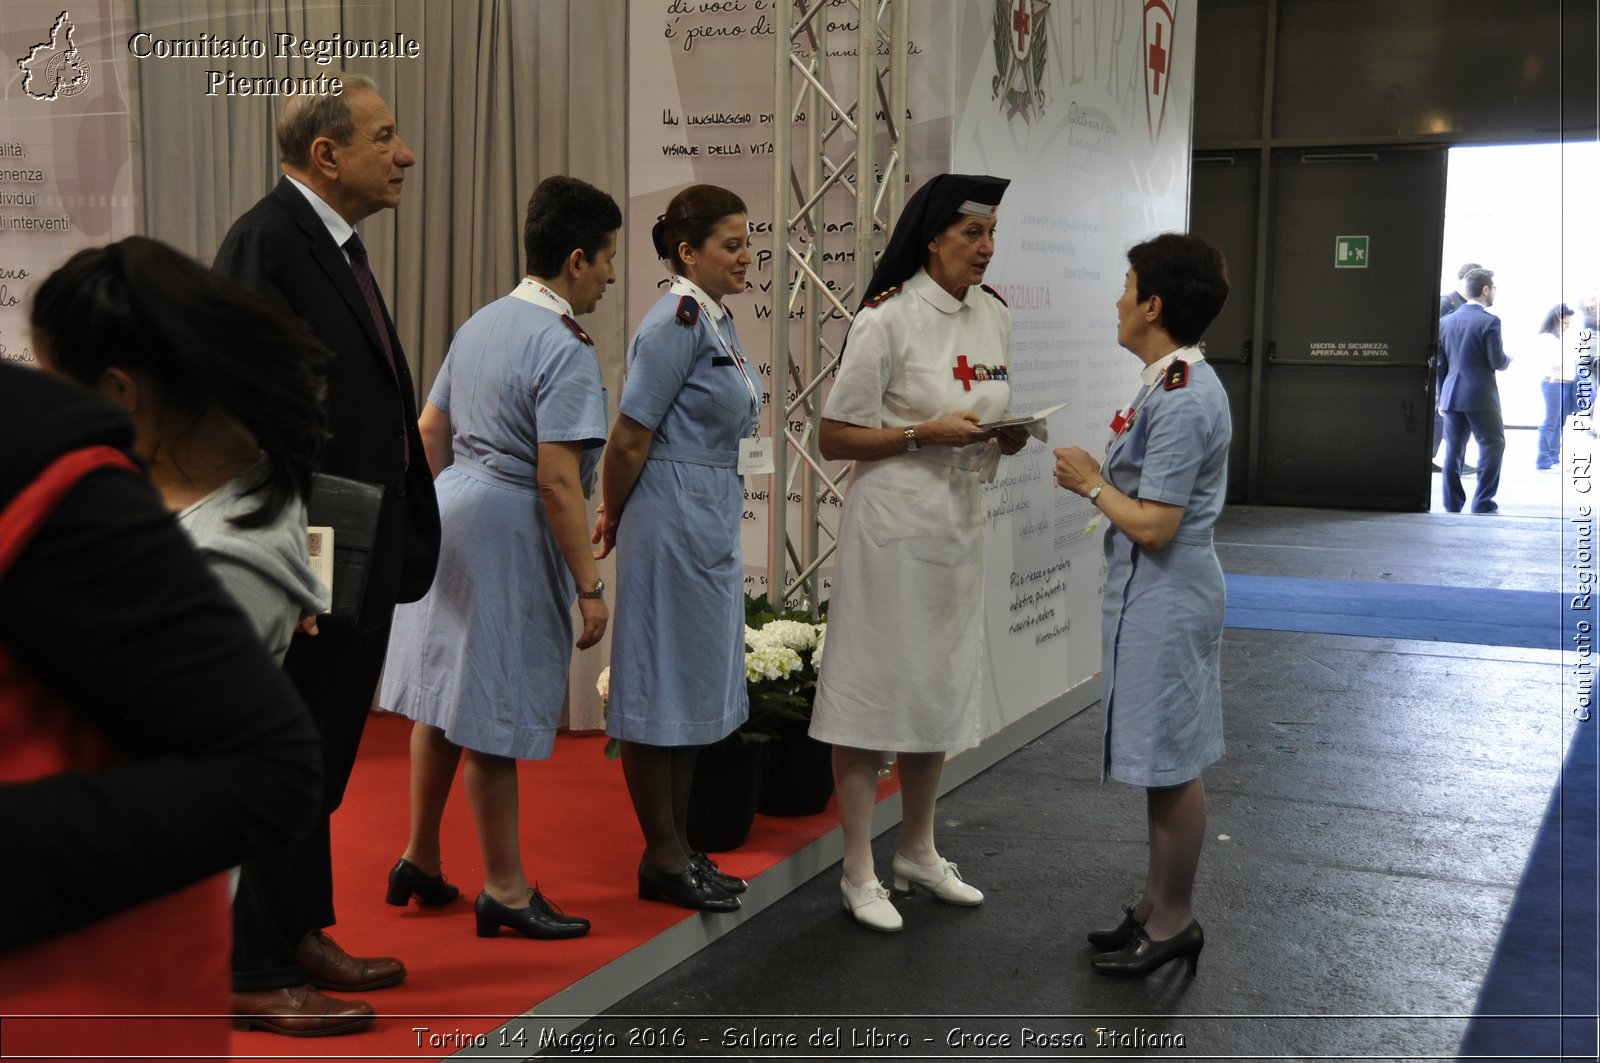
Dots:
(369, 290)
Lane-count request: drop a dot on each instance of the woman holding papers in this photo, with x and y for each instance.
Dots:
(513, 430)
(1161, 487)
(925, 366)
(674, 502)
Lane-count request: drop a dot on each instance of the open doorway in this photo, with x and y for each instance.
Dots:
(1530, 214)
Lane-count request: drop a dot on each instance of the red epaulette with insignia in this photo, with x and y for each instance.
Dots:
(576, 329)
(688, 311)
(994, 293)
(883, 296)
(1177, 376)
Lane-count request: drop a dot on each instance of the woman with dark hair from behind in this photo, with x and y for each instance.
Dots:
(225, 392)
(674, 501)
(148, 742)
(1560, 384)
(1161, 487)
(513, 429)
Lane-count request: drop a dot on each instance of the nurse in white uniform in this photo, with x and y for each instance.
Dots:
(925, 364)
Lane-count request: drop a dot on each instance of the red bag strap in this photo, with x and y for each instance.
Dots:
(34, 504)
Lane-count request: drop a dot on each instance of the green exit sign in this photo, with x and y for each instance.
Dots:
(1350, 252)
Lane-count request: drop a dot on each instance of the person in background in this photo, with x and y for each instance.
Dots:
(225, 393)
(673, 506)
(343, 161)
(924, 366)
(1559, 354)
(1470, 354)
(150, 743)
(1449, 303)
(513, 430)
(1161, 487)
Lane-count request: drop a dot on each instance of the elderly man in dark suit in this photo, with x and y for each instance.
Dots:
(1470, 353)
(343, 160)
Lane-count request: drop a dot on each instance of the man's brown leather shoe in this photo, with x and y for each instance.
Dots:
(327, 966)
(299, 1011)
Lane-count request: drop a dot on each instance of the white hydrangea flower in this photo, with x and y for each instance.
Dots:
(770, 662)
(822, 637)
(795, 634)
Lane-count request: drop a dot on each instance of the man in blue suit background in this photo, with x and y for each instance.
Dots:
(1470, 353)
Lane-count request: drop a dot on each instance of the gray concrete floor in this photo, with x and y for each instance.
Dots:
(1367, 829)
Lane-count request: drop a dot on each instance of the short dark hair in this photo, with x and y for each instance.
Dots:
(565, 215)
(1552, 320)
(305, 118)
(1461, 274)
(1477, 280)
(691, 218)
(203, 340)
(1190, 275)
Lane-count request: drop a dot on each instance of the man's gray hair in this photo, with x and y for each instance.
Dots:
(305, 118)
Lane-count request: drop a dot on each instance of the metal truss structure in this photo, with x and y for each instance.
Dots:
(825, 140)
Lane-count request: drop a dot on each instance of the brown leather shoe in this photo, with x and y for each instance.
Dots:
(327, 966)
(299, 1011)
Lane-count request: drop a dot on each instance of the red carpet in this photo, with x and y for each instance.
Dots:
(580, 841)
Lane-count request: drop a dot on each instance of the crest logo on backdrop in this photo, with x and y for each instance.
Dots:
(1021, 40)
(54, 69)
(1158, 28)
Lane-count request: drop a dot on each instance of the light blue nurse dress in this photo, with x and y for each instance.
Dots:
(677, 642)
(1161, 648)
(484, 655)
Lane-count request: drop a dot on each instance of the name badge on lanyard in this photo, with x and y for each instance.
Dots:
(755, 456)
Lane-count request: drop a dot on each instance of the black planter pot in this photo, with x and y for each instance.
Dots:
(722, 800)
(796, 773)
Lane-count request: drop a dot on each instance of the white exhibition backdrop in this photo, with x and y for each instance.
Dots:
(1086, 108)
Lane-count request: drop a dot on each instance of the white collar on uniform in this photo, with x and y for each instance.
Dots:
(682, 285)
(1152, 372)
(935, 296)
(538, 293)
(337, 227)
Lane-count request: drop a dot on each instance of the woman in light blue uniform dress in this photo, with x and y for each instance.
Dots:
(513, 429)
(1161, 487)
(674, 501)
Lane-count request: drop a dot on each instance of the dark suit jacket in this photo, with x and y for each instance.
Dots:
(1470, 352)
(281, 248)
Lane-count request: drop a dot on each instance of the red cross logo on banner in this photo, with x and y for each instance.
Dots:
(964, 373)
(1158, 36)
(1021, 27)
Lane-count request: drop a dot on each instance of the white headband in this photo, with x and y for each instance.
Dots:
(980, 210)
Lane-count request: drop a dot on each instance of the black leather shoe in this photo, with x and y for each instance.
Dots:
(538, 920)
(406, 879)
(689, 888)
(1119, 937)
(1144, 955)
(716, 876)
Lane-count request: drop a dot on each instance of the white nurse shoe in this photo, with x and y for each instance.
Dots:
(870, 905)
(943, 879)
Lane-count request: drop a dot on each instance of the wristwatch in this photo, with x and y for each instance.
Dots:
(911, 438)
(599, 589)
(1094, 492)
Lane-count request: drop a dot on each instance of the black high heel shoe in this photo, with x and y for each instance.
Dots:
(716, 876)
(1120, 936)
(407, 878)
(1144, 955)
(540, 919)
(689, 888)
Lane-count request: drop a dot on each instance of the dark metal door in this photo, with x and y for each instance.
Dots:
(1350, 321)
(1222, 209)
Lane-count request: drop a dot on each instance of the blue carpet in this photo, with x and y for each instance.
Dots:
(1539, 999)
(1530, 619)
